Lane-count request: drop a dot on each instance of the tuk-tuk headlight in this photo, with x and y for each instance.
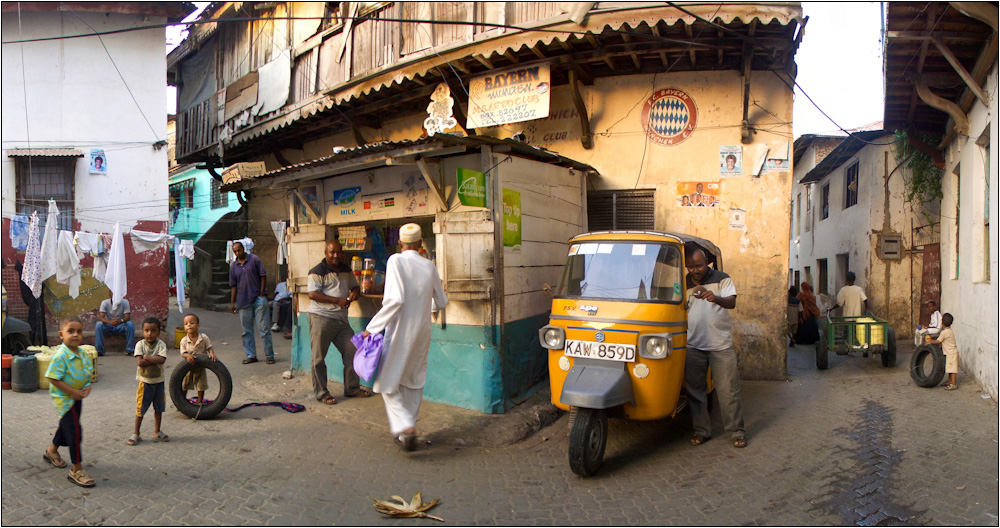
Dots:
(552, 337)
(655, 346)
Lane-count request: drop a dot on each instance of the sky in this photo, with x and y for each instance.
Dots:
(839, 66)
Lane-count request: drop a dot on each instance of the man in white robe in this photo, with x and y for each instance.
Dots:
(412, 291)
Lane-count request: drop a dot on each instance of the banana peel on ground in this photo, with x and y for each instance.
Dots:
(401, 508)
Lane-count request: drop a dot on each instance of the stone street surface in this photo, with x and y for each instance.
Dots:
(856, 444)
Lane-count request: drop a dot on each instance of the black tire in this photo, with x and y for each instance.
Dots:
(921, 375)
(191, 410)
(14, 344)
(822, 354)
(889, 354)
(587, 440)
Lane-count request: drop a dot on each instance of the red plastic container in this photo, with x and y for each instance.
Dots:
(8, 361)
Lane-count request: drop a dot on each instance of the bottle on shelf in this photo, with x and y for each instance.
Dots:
(368, 276)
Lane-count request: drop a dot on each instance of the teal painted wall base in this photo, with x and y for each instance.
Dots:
(464, 368)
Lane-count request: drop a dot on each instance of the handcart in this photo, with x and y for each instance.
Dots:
(866, 335)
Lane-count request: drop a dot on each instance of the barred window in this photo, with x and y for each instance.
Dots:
(44, 178)
(219, 198)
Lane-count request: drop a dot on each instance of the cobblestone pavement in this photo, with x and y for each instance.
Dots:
(856, 444)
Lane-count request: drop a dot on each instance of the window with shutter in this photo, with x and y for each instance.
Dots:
(621, 210)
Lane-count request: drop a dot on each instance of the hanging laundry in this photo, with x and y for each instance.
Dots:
(68, 263)
(106, 240)
(279, 233)
(230, 256)
(50, 239)
(89, 243)
(31, 275)
(19, 232)
(143, 241)
(100, 267)
(180, 273)
(115, 278)
(187, 249)
(247, 244)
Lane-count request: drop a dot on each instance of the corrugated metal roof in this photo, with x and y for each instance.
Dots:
(606, 16)
(840, 155)
(389, 148)
(39, 152)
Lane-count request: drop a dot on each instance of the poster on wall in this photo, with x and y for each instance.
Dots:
(669, 116)
(737, 219)
(380, 205)
(98, 162)
(512, 219)
(730, 160)
(509, 96)
(415, 194)
(698, 194)
(777, 159)
(471, 187)
(345, 201)
(307, 205)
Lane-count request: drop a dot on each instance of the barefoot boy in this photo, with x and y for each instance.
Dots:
(194, 343)
(946, 340)
(69, 383)
(150, 354)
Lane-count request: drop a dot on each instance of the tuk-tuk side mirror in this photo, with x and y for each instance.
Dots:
(547, 289)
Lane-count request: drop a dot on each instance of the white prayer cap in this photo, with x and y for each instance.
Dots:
(410, 233)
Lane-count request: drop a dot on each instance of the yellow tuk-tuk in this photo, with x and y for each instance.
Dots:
(617, 334)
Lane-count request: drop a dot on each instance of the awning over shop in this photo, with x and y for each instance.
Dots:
(182, 186)
(382, 154)
(43, 152)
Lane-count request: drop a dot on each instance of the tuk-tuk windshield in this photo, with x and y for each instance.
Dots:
(633, 271)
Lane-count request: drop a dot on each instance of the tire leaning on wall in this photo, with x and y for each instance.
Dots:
(200, 412)
(927, 377)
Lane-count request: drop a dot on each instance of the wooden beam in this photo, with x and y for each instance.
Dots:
(586, 136)
(663, 55)
(690, 35)
(483, 60)
(962, 72)
(538, 52)
(510, 55)
(934, 101)
(309, 208)
(436, 188)
(358, 137)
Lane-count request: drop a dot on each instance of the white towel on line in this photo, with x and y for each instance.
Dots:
(116, 278)
(143, 241)
(68, 263)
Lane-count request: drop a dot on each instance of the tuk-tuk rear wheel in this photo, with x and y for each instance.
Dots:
(588, 436)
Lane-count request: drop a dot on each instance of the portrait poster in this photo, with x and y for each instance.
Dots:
(98, 162)
(730, 160)
(698, 194)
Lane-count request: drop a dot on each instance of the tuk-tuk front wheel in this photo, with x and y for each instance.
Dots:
(588, 436)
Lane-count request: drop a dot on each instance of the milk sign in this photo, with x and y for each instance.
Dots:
(509, 96)
(346, 200)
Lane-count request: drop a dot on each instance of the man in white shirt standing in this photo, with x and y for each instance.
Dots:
(412, 291)
(852, 299)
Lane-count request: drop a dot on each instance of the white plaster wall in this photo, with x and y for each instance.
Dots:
(971, 296)
(67, 93)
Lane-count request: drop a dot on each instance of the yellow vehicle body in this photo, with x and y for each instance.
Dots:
(657, 384)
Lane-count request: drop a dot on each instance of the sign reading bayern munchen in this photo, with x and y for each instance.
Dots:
(669, 116)
(510, 96)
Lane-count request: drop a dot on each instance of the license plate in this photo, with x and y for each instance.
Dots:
(594, 350)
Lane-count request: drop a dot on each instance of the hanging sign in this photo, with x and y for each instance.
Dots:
(346, 200)
(509, 96)
(669, 116)
(471, 188)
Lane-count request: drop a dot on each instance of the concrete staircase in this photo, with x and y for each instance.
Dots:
(219, 292)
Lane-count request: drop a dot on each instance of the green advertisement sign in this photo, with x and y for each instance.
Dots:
(472, 188)
(511, 219)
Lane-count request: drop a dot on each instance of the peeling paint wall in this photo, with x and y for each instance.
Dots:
(755, 255)
(66, 94)
(968, 247)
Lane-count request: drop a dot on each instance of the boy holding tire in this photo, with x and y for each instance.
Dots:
(150, 354)
(946, 340)
(192, 344)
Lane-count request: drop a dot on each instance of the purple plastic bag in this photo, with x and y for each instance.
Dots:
(366, 360)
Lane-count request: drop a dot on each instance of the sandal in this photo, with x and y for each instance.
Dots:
(249, 360)
(328, 400)
(740, 442)
(160, 437)
(270, 361)
(698, 439)
(950, 387)
(134, 439)
(406, 441)
(54, 459)
(81, 478)
(360, 393)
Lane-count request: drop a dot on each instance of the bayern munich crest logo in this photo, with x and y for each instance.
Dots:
(669, 116)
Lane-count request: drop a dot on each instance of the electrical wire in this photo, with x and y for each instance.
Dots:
(120, 76)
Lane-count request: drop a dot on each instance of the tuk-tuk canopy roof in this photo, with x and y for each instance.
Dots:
(690, 242)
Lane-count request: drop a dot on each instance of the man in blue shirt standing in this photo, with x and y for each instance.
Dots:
(248, 279)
